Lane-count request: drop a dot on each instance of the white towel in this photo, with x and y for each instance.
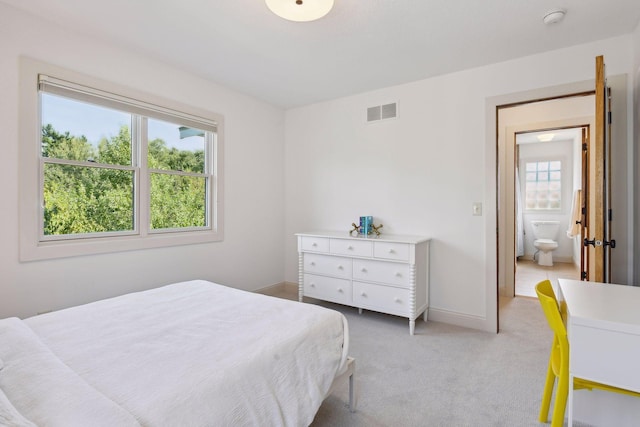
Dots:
(576, 215)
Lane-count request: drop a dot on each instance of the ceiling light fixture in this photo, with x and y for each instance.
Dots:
(300, 10)
(554, 16)
(545, 137)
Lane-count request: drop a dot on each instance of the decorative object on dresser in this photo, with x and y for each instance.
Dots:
(389, 274)
(366, 226)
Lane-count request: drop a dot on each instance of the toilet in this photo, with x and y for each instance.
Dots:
(544, 233)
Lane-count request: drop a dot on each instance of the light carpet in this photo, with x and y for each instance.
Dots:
(444, 375)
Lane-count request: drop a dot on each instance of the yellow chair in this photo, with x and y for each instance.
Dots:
(559, 361)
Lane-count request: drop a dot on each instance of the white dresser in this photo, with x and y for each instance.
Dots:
(387, 273)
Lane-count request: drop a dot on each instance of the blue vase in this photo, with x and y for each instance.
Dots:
(365, 225)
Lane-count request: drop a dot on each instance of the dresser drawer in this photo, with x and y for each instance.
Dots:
(390, 250)
(381, 298)
(328, 288)
(315, 244)
(351, 247)
(328, 265)
(392, 273)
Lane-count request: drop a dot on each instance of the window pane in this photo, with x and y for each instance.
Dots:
(79, 199)
(543, 185)
(175, 147)
(177, 201)
(74, 130)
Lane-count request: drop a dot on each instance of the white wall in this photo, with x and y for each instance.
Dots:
(249, 258)
(420, 173)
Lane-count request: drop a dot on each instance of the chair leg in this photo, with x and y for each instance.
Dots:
(562, 391)
(546, 394)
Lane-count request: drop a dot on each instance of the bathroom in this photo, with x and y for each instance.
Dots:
(548, 180)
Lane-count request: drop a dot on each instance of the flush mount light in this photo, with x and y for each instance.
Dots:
(554, 16)
(300, 10)
(545, 137)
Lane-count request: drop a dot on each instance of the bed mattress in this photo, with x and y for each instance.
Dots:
(188, 354)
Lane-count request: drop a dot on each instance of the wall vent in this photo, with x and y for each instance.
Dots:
(382, 112)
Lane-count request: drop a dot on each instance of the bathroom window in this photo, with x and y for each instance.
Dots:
(543, 185)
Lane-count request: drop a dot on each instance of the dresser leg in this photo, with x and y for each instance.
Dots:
(300, 276)
(359, 310)
(412, 326)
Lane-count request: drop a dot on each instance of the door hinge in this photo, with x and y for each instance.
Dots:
(583, 275)
(584, 147)
(609, 117)
(610, 215)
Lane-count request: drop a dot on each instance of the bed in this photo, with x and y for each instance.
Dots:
(187, 354)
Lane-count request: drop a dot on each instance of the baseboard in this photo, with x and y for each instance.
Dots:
(435, 314)
(562, 259)
(459, 319)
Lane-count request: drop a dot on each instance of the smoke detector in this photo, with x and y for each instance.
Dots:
(554, 16)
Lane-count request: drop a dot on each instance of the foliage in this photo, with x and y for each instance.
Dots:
(92, 197)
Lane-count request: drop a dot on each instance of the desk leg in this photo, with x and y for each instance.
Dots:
(570, 403)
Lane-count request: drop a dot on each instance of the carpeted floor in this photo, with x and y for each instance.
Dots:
(444, 375)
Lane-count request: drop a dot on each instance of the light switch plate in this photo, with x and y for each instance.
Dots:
(477, 209)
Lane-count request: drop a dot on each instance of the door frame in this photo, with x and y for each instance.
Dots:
(508, 288)
(494, 186)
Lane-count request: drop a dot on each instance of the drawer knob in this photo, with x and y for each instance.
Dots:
(396, 299)
(312, 263)
(340, 290)
(391, 251)
(363, 294)
(314, 244)
(340, 267)
(350, 247)
(398, 274)
(313, 285)
(364, 270)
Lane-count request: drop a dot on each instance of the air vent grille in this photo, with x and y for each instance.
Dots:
(373, 114)
(382, 112)
(388, 111)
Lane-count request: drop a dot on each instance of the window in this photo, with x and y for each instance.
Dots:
(543, 185)
(115, 170)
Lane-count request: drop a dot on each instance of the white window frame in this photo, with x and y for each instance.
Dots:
(33, 244)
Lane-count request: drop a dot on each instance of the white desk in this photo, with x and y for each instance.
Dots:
(603, 325)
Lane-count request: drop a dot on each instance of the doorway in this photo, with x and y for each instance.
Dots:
(548, 191)
(524, 127)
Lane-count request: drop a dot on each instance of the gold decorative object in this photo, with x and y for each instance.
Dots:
(376, 229)
(355, 228)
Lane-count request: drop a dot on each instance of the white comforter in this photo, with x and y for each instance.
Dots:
(188, 354)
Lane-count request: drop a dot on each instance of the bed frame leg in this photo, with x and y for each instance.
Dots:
(352, 386)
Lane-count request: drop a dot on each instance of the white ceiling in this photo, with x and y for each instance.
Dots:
(359, 46)
(554, 135)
